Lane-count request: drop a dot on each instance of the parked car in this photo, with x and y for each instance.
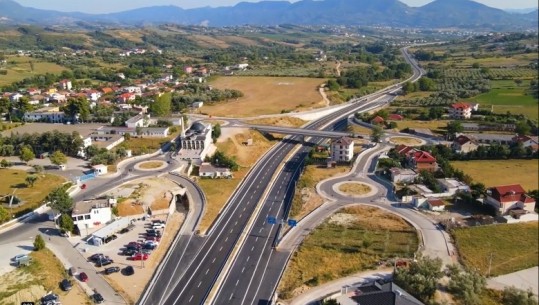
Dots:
(146, 251)
(158, 221)
(110, 238)
(129, 252)
(124, 230)
(66, 285)
(158, 226)
(50, 298)
(104, 262)
(149, 247)
(83, 277)
(19, 257)
(129, 270)
(152, 242)
(134, 248)
(98, 298)
(110, 270)
(97, 257)
(153, 238)
(72, 271)
(139, 257)
(153, 232)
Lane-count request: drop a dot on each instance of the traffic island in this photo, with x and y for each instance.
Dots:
(150, 165)
(409, 141)
(355, 189)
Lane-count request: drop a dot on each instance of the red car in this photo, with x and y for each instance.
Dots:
(83, 187)
(153, 238)
(83, 277)
(139, 257)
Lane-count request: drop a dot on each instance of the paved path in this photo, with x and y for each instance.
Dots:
(523, 279)
(327, 289)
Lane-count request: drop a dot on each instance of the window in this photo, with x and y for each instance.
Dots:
(80, 217)
(87, 216)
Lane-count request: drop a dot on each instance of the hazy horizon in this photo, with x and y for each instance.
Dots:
(107, 6)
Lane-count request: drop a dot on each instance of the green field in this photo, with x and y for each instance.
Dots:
(19, 68)
(513, 247)
(352, 240)
(502, 172)
(505, 96)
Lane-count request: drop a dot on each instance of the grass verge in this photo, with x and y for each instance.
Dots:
(355, 188)
(151, 164)
(405, 141)
(513, 247)
(352, 240)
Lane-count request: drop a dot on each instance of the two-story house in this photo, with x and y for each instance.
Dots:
(422, 160)
(342, 150)
(91, 213)
(464, 144)
(460, 111)
(508, 197)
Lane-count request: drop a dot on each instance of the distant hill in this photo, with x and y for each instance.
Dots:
(437, 14)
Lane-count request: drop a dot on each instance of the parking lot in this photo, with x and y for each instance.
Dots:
(131, 286)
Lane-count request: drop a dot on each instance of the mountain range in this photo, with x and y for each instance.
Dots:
(437, 14)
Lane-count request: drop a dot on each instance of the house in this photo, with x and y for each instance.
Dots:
(460, 111)
(395, 117)
(342, 150)
(125, 97)
(452, 186)
(65, 84)
(100, 169)
(15, 97)
(188, 70)
(91, 213)
(404, 150)
(56, 97)
(508, 197)
(436, 205)
(376, 293)
(139, 120)
(532, 142)
(93, 95)
(488, 127)
(491, 138)
(464, 144)
(45, 114)
(399, 175)
(208, 170)
(378, 120)
(422, 160)
(155, 132)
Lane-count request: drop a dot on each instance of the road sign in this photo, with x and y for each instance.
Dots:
(272, 220)
(292, 222)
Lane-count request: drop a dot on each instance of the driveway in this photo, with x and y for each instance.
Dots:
(523, 279)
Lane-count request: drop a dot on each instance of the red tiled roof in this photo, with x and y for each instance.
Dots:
(344, 141)
(423, 157)
(436, 202)
(508, 193)
(461, 140)
(404, 150)
(461, 105)
(395, 117)
(377, 120)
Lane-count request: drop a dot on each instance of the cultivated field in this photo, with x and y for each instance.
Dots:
(352, 240)
(502, 172)
(266, 95)
(19, 68)
(435, 126)
(513, 247)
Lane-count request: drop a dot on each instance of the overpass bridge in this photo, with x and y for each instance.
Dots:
(305, 132)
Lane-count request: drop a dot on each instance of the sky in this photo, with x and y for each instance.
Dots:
(107, 6)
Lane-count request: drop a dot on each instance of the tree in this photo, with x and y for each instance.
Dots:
(466, 285)
(66, 223)
(27, 154)
(162, 105)
(38, 168)
(421, 278)
(333, 85)
(426, 84)
(518, 82)
(514, 296)
(77, 107)
(408, 87)
(59, 200)
(435, 113)
(5, 163)
(377, 133)
(522, 128)
(30, 180)
(58, 158)
(39, 243)
(453, 128)
(216, 132)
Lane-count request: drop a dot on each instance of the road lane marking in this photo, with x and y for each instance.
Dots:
(207, 270)
(199, 283)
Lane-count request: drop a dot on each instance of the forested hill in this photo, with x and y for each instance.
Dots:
(437, 14)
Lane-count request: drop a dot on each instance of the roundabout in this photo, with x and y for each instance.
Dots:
(153, 165)
(355, 189)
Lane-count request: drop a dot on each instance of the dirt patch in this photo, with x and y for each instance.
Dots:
(355, 188)
(405, 141)
(130, 207)
(151, 164)
(144, 195)
(161, 203)
(279, 121)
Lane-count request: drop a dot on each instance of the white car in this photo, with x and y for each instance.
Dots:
(19, 257)
(158, 226)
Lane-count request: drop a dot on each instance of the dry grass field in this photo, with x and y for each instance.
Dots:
(352, 240)
(405, 141)
(218, 191)
(355, 188)
(151, 164)
(267, 95)
(502, 172)
(31, 197)
(279, 121)
(434, 126)
(513, 247)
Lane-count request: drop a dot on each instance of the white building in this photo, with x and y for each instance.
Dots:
(210, 171)
(195, 143)
(197, 104)
(402, 175)
(453, 186)
(509, 197)
(88, 214)
(139, 120)
(47, 114)
(342, 150)
(460, 111)
(100, 169)
(65, 84)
